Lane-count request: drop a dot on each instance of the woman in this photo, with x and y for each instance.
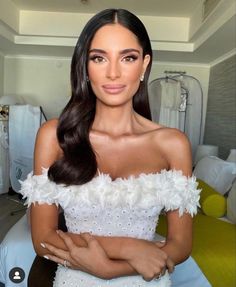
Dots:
(111, 169)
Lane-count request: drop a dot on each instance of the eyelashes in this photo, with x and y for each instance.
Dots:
(100, 59)
(130, 58)
(96, 58)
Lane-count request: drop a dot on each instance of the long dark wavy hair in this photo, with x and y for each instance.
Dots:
(78, 164)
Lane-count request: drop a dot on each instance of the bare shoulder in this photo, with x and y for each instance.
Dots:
(175, 148)
(47, 149)
(171, 136)
(48, 132)
(162, 135)
(49, 127)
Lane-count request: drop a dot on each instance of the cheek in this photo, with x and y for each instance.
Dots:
(94, 74)
(133, 85)
(134, 76)
(132, 79)
(96, 79)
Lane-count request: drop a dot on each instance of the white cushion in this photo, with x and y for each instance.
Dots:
(231, 204)
(216, 172)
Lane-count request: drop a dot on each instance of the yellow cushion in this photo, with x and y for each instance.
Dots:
(212, 202)
(214, 248)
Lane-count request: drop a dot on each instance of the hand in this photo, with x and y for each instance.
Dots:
(91, 259)
(149, 260)
(170, 263)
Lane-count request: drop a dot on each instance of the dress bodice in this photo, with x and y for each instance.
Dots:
(123, 207)
(120, 207)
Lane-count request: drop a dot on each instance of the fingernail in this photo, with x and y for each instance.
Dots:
(43, 245)
(46, 257)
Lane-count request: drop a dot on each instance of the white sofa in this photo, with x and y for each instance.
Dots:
(16, 250)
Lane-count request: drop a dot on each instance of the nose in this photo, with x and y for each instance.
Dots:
(113, 70)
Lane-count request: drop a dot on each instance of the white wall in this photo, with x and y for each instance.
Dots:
(1, 74)
(200, 72)
(40, 81)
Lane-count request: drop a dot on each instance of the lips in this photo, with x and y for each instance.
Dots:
(113, 89)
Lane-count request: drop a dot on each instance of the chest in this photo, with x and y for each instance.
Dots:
(129, 157)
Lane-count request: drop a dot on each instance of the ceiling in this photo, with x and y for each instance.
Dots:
(176, 8)
(217, 45)
(211, 40)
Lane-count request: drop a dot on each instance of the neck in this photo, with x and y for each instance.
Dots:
(115, 120)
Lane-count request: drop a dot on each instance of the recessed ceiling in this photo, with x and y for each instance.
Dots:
(176, 8)
(220, 42)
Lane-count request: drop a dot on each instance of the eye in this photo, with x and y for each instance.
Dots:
(96, 59)
(130, 58)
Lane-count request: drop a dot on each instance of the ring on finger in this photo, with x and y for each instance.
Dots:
(158, 276)
(65, 263)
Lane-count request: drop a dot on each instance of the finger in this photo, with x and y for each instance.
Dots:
(58, 260)
(160, 244)
(158, 276)
(93, 243)
(55, 251)
(88, 238)
(170, 265)
(146, 278)
(67, 240)
(163, 271)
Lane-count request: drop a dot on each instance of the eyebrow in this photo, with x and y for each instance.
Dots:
(123, 52)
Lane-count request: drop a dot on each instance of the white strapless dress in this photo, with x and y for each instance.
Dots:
(123, 207)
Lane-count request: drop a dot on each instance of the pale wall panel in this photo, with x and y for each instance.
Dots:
(39, 81)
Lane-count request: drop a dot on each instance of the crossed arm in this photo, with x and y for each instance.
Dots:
(104, 257)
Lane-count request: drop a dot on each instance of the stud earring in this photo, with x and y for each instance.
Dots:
(142, 78)
(87, 78)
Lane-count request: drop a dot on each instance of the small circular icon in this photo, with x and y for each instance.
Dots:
(17, 275)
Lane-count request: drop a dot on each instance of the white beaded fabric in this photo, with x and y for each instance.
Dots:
(123, 207)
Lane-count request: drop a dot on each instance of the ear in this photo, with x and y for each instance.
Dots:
(146, 61)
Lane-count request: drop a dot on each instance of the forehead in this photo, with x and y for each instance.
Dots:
(115, 36)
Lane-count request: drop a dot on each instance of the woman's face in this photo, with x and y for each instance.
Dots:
(115, 64)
